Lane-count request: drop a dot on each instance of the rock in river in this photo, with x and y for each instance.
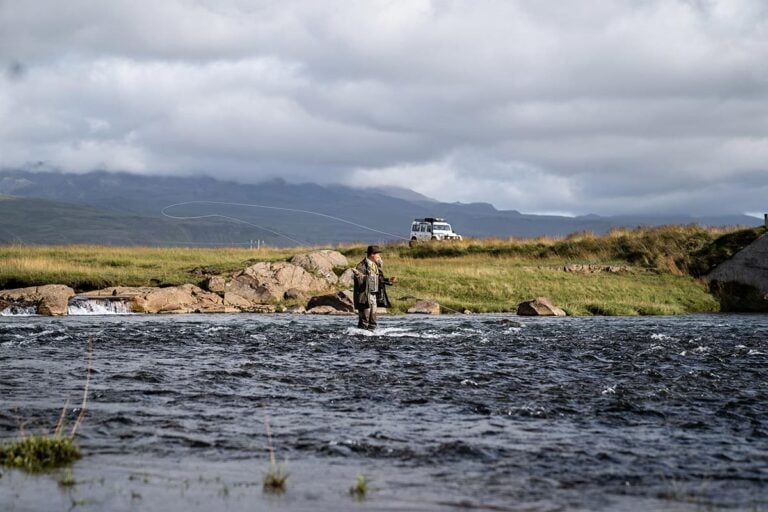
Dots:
(49, 300)
(341, 302)
(540, 306)
(425, 307)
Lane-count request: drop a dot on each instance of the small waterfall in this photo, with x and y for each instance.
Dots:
(97, 306)
(19, 311)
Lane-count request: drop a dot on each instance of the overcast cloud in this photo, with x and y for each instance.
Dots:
(541, 106)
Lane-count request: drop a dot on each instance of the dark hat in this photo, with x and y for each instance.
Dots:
(373, 249)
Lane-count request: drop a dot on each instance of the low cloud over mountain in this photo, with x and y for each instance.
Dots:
(607, 107)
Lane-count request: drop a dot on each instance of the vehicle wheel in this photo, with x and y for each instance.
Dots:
(434, 238)
(412, 242)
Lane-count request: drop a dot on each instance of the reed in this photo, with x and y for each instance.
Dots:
(276, 476)
(359, 488)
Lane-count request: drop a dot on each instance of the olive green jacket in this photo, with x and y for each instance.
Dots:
(370, 280)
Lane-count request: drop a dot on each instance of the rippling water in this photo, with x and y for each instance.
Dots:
(655, 413)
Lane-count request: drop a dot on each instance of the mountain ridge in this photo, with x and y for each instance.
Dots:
(278, 215)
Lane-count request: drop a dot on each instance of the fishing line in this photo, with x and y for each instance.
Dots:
(220, 216)
(295, 210)
(165, 213)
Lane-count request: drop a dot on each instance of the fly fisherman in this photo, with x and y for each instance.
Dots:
(370, 288)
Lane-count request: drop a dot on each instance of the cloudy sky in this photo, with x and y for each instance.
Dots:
(601, 106)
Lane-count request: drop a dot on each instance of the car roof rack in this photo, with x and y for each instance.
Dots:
(430, 219)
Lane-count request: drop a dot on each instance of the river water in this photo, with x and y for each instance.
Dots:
(454, 412)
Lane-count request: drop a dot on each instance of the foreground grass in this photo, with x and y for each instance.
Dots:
(476, 275)
(39, 453)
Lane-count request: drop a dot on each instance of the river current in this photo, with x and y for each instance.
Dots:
(446, 413)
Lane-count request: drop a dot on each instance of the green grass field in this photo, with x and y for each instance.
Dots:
(476, 275)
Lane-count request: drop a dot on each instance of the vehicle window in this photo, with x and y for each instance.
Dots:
(442, 227)
(429, 229)
(414, 227)
(423, 228)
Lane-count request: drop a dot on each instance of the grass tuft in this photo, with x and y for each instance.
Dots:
(275, 479)
(39, 453)
(67, 478)
(360, 488)
(276, 476)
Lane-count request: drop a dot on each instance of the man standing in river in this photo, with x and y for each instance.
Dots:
(370, 288)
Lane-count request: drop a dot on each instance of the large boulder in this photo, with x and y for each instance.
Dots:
(321, 263)
(267, 282)
(347, 279)
(216, 284)
(741, 283)
(327, 310)
(49, 300)
(341, 302)
(186, 298)
(425, 307)
(540, 306)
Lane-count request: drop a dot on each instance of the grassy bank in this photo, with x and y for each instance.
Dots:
(659, 266)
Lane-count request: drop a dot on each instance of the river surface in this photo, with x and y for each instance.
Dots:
(447, 413)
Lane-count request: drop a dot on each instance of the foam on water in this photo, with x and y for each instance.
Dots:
(80, 307)
(19, 311)
(389, 332)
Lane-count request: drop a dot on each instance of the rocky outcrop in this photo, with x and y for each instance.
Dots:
(49, 300)
(540, 306)
(327, 310)
(293, 294)
(347, 279)
(216, 284)
(186, 298)
(296, 310)
(741, 283)
(268, 282)
(321, 263)
(425, 307)
(341, 302)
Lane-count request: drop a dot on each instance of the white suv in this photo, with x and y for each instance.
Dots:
(432, 228)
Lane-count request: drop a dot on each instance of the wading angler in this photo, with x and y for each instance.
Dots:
(370, 290)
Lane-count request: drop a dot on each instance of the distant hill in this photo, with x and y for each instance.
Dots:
(119, 208)
(40, 221)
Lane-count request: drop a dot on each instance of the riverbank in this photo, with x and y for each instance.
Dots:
(626, 272)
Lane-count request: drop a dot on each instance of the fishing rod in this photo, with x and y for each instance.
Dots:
(165, 213)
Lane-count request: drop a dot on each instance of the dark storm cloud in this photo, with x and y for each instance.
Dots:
(598, 106)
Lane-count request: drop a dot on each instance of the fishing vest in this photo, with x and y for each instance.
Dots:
(372, 271)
